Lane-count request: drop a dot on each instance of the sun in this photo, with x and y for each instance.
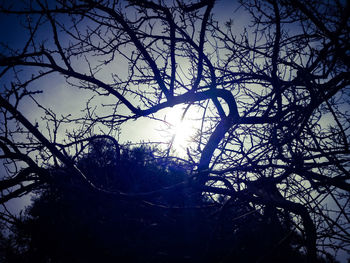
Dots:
(181, 126)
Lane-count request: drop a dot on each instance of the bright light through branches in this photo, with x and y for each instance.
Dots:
(181, 126)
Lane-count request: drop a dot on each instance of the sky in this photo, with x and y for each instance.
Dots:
(63, 99)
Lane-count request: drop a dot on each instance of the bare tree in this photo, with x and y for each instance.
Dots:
(272, 93)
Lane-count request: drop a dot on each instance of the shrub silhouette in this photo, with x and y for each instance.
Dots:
(72, 222)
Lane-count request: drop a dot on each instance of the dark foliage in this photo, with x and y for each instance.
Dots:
(70, 222)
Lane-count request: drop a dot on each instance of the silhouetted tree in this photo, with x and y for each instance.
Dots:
(272, 93)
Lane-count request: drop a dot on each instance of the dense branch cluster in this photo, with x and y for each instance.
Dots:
(272, 92)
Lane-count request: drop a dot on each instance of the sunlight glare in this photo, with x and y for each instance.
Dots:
(181, 129)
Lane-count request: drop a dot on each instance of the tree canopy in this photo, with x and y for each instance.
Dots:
(267, 88)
